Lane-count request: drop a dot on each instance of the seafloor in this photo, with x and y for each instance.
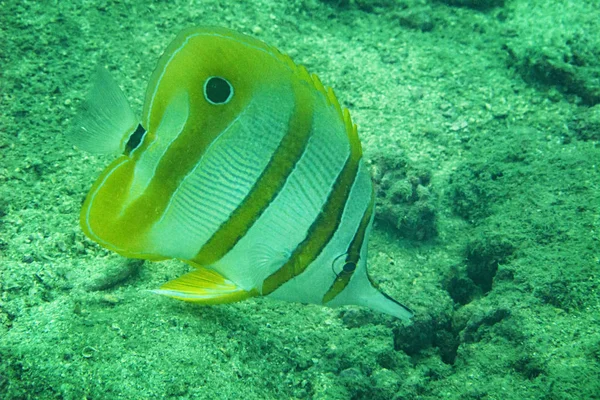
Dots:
(481, 121)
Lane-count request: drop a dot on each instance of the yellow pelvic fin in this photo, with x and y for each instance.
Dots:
(204, 286)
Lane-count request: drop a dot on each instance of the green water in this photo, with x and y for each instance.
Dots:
(481, 122)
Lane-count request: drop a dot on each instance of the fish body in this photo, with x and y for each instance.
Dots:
(245, 167)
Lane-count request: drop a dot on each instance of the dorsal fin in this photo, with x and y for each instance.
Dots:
(312, 79)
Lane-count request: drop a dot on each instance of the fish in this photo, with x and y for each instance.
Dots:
(244, 166)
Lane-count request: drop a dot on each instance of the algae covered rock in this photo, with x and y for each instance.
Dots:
(405, 200)
(551, 45)
(476, 4)
(586, 124)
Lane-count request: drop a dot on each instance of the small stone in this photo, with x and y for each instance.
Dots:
(110, 299)
(114, 272)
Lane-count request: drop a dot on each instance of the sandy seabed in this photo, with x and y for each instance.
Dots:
(481, 122)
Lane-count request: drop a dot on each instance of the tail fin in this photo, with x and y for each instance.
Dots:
(106, 121)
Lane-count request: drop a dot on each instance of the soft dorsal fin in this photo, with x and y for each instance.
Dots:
(314, 81)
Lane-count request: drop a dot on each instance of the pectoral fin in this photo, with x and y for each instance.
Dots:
(106, 121)
(204, 286)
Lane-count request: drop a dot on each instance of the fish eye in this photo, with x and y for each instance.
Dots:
(217, 90)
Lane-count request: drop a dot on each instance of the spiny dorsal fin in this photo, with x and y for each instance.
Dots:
(314, 81)
(301, 72)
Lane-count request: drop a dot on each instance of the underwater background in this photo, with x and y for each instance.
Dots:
(480, 120)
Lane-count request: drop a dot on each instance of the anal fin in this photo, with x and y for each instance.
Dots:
(204, 286)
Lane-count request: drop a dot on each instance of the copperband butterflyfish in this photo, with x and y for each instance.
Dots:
(244, 166)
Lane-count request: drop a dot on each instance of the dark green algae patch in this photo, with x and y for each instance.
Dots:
(480, 122)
